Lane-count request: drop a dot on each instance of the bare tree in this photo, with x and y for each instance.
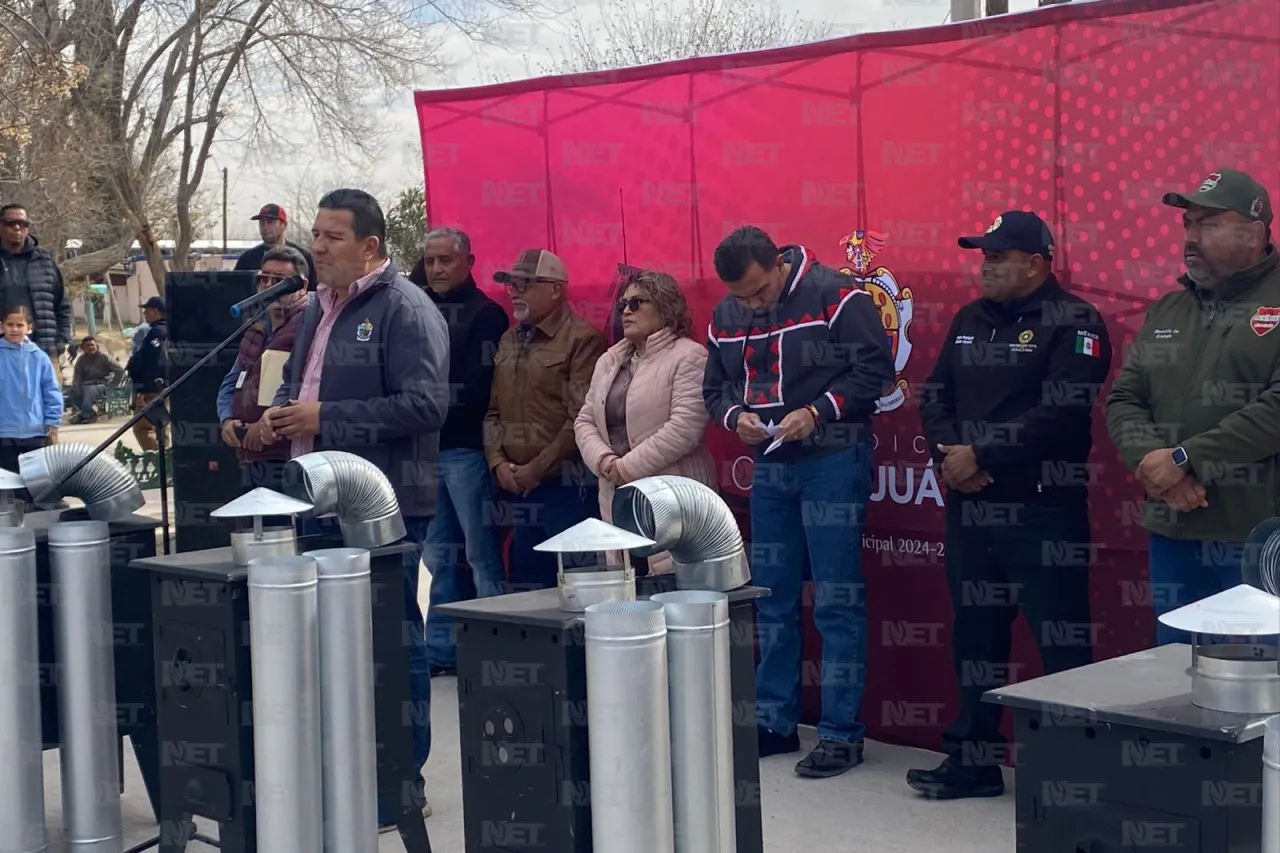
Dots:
(634, 34)
(165, 81)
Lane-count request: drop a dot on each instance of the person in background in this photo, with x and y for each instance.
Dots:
(814, 396)
(149, 369)
(239, 412)
(29, 277)
(369, 375)
(1195, 410)
(1008, 412)
(32, 408)
(94, 373)
(462, 532)
(644, 414)
(273, 221)
(541, 375)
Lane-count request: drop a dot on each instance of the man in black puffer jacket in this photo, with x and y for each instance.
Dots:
(29, 277)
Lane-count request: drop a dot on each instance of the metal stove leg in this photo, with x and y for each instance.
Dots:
(413, 831)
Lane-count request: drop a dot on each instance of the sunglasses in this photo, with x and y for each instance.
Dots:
(20, 224)
(270, 278)
(633, 304)
(522, 285)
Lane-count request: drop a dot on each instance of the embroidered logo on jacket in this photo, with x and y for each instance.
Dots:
(1264, 320)
(893, 300)
(364, 331)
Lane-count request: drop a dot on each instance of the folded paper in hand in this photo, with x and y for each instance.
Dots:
(773, 429)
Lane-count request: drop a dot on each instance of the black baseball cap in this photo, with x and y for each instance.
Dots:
(154, 302)
(1228, 189)
(1014, 230)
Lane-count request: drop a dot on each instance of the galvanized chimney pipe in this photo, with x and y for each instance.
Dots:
(629, 728)
(21, 762)
(701, 699)
(1271, 786)
(284, 639)
(80, 563)
(348, 740)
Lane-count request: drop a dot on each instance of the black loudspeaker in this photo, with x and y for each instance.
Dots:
(206, 473)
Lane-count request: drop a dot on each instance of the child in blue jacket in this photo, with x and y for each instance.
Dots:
(30, 400)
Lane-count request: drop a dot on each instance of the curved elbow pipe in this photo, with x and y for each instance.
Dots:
(108, 490)
(353, 489)
(690, 521)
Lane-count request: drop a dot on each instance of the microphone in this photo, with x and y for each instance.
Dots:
(292, 284)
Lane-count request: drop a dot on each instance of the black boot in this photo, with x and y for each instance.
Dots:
(950, 781)
(772, 743)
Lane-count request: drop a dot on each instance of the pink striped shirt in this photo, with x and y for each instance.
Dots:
(331, 305)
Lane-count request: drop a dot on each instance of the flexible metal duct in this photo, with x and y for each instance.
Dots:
(108, 490)
(353, 489)
(1271, 786)
(691, 522)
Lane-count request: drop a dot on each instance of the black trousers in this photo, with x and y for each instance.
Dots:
(11, 449)
(1002, 559)
(262, 473)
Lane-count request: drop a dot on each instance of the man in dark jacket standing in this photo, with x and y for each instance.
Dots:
(370, 376)
(149, 369)
(29, 276)
(273, 221)
(1195, 410)
(1007, 413)
(797, 358)
(462, 533)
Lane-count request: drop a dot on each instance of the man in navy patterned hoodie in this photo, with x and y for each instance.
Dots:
(798, 357)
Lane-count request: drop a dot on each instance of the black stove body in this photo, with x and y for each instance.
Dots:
(522, 710)
(203, 674)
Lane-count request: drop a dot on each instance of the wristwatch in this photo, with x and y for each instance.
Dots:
(1180, 459)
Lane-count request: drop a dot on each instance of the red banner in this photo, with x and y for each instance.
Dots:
(876, 152)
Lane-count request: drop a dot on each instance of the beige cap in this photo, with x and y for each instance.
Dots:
(534, 265)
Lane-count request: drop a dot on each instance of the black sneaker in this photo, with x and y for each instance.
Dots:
(772, 743)
(437, 670)
(830, 758)
(951, 782)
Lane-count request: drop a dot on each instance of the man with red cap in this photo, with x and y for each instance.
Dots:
(272, 222)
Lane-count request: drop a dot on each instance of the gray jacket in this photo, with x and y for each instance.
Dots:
(384, 389)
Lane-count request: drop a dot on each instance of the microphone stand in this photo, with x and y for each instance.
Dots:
(157, 414)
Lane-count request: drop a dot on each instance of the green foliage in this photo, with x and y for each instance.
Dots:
(406, 227)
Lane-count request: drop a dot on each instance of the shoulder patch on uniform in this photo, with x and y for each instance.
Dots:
(1264, 320)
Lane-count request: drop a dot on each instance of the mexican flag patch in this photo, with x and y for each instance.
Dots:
(1087, 344)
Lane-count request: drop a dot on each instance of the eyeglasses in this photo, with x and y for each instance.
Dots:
(19, 224)
(633, 304)
(270, 278)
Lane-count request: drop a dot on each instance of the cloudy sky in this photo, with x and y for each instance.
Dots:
(524, 46)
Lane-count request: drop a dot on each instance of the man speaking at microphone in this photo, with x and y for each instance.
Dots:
(369, 375)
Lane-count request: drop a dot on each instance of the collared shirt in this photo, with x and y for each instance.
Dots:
(331, 305)
(541, 376)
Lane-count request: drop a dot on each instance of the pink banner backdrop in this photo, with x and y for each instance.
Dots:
(876, 152)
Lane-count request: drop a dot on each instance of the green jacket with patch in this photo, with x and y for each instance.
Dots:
(1204, 373)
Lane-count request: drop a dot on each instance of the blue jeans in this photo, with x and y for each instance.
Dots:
(1184, 571)
(817, 504)
(463, 533)
(87, 398)
(555, 506)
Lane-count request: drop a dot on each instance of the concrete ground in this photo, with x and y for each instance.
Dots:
(868, 810)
